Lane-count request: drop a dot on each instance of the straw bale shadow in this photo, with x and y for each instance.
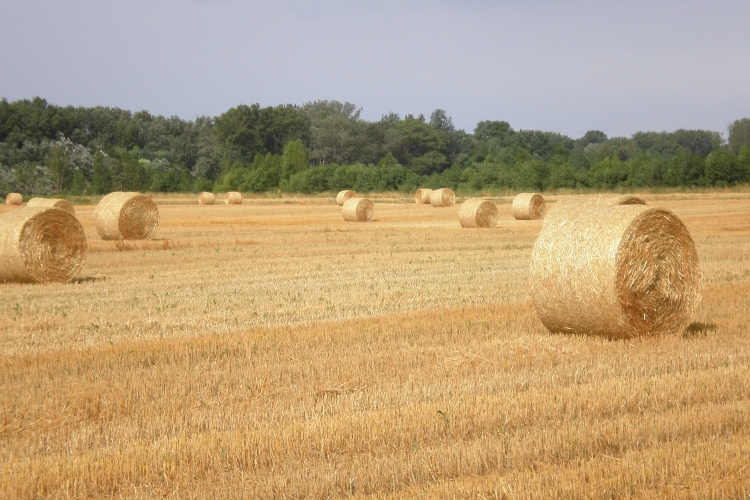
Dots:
(90, 279)
(698, 329)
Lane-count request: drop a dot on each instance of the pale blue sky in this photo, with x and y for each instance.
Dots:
(566, 66)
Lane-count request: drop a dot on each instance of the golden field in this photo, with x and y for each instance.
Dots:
(272, 350)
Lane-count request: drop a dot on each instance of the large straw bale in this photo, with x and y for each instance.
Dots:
(206, 198)
(51, 202)
(13, 199)
(344, 195)
(619, 271)
(422, 196)
(126, 216)
(476, 212)
(529, 206)
(358, 210)
(40, 244)
(442, 197)
(233, 198)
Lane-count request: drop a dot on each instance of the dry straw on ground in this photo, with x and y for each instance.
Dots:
(529, 206)
(422, 196)
(358, 210)
(126, 216)
(206, 198)
(13, 199)
(233, 198)
(618, 271)
(603, 199)
(476, 212)
(51, 203)
(344, 195)
(443, 197)
(40, 244)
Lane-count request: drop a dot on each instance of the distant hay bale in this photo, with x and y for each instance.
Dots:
(476, 212)
(233, 198)
(344, 195)
(51, 202)
(358, 210)
(618, 271)
(126, 216)
(206, 198)
(13, 199)
(422, 196)
(40, 244)
(443, 197)
(529, 206)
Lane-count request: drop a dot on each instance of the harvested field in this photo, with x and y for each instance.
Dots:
(274, 350)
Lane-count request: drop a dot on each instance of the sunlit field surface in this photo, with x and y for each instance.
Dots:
(272, 350)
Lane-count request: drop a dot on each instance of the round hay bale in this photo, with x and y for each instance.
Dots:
(618, 272)
(422, 196)
(51, 202)
(206, 198)
(233, 198)
(13, 199)
(344, 195)
(442, 197)
(40, 244)
(126, 216)
(529, 206)
(358, 210)
(476, 212)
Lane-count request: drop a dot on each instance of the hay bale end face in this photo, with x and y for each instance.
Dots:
(617, 272)
(40, 244)
(126, 216)
(233, 198)
(343, 196)
(422, 196)
(358, 210)
(476, 212)
(443, 197)
(529, 206)
(13, 199)
(206, 198)
(52, 203)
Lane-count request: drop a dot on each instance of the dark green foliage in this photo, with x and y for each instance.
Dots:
(327, 146)
(721, 169)
(294, 159)
(59, 169)
(739, 135)
(249, 130)
(102, 179)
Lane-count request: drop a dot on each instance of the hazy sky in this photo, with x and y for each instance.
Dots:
(561, 65)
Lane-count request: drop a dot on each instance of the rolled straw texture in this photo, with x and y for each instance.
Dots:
(476, 212)
(344, 195)
(358, 210)
(618, 272)
(13, 199)
(529, 206)
(422, 196)
(40, 244)
(233, 198)
(51, 203)
(126, 216)
(206, 198)
(442, 197)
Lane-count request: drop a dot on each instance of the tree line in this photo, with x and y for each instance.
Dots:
(326, 146)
